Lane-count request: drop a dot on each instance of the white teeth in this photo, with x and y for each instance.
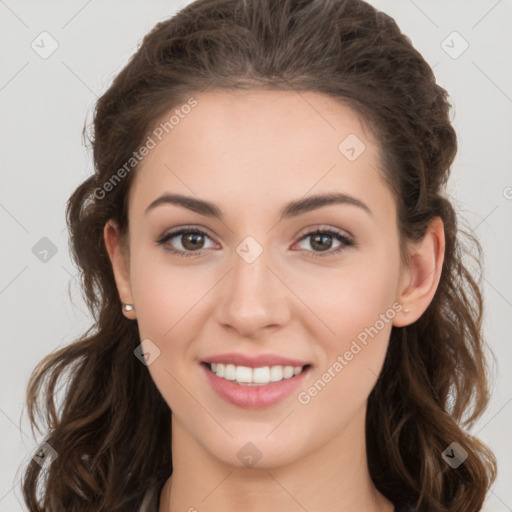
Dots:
(276, 373)
(230, 372)
(254, 376)
(243, 374)
(288, 372)
(261, 375)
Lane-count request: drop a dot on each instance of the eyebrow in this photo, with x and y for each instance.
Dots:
(292, 209)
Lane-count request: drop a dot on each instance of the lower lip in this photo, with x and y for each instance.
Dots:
(253, 397)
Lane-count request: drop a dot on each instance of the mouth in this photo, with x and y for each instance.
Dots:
(258, 376)
(254, 387)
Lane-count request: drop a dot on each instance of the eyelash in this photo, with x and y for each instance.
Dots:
(345, 240)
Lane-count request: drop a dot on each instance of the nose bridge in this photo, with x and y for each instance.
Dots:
(253, 297)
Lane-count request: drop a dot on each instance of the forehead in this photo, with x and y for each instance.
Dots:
(307, 120)
(260, 146)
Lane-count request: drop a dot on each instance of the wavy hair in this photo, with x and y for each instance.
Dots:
(434, 382)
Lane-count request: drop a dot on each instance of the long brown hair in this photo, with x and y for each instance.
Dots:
(112, 432)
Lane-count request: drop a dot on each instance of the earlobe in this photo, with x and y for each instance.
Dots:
(120, 268)
(423, 274)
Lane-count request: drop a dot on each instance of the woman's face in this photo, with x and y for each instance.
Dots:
(253, 284)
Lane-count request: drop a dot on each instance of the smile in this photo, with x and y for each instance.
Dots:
(252, 384)
(260, 376)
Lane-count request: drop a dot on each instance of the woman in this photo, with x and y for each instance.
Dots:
(282, 316)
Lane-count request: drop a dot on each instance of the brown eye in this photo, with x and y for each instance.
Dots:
(191, 240)
(322, 240)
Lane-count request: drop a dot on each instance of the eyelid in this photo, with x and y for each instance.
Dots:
(170, 234)
(347, 240)
(324, 227)
(188, 228)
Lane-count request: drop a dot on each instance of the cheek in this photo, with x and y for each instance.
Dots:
(355, 306)
(168, 300)
(360, 313)
(165, 293)
(347, 299)
(172, 307)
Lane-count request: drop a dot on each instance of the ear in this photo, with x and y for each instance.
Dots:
(420, 278)
(119, 259)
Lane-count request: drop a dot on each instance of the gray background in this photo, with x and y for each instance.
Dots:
(44, 103)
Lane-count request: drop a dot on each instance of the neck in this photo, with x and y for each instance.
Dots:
(334, 478)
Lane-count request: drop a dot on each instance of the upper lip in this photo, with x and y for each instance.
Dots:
(255, 361)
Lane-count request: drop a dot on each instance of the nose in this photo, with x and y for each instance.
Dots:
(253, 298)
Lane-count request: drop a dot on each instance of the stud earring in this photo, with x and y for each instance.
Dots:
(128, 307)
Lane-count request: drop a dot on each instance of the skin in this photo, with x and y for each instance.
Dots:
(251, 153)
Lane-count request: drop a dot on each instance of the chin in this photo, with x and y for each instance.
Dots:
(259, 445)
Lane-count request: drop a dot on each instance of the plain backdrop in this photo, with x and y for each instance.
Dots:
(45, 100)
